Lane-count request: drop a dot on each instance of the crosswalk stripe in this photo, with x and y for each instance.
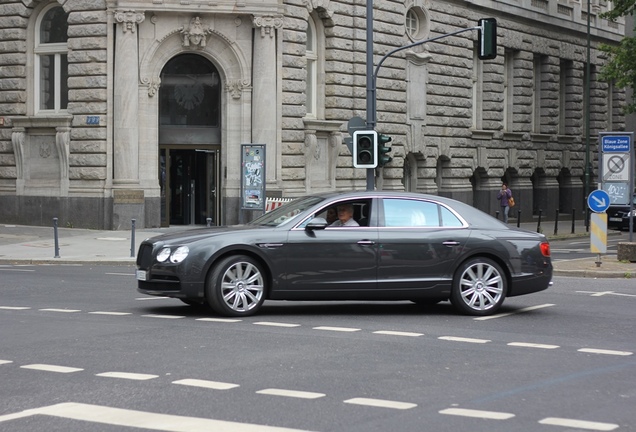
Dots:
(51, 368)
(291, 393)
(215, 385)
(380, 403)
(578, 424)
(127, 375)
(491, 415)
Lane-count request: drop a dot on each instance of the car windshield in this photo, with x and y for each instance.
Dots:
(287, 212)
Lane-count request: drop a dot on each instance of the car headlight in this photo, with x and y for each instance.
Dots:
(632, 214)
(179, 254)
(163, 254)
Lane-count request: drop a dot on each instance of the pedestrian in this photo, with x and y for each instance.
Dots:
(503, 196)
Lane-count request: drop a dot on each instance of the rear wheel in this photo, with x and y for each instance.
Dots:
(479, 287)
(236, 286)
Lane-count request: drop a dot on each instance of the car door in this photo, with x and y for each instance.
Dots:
(419, 243)
(335, 262)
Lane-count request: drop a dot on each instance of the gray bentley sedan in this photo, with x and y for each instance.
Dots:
(367, 245)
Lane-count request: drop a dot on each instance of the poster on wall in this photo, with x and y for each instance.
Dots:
(253, 177)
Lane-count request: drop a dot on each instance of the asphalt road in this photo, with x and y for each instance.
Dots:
(81, 350)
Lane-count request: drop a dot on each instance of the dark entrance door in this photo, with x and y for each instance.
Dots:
(188, 179)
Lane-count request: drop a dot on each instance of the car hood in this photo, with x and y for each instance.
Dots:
(193, 235)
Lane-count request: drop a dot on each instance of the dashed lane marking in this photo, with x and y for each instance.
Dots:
(164, 316)
(127, 375)
(398, 333)
(14, 307)
(5, 362)
(461, 339)
(16, 270)
(60, 310)
(215, 385)
(380, 403)
(275, 324)
(51, 368)
(291, 393)
(222, 320)
(578, 424)
(110, 313)
(337, 329)
(527, 309)
(532, 345)
(606, 352)
(491, 415)
(141, 419)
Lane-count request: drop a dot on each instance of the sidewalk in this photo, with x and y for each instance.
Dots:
(21, 244)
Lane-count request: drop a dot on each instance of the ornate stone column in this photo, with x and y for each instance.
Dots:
(126, 100)
(265, 91)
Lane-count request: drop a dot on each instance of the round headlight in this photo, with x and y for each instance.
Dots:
(179, 254)
(163, 254)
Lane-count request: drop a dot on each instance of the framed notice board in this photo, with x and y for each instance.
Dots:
(253, 177)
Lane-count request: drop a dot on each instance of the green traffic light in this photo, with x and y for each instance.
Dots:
(383, 149)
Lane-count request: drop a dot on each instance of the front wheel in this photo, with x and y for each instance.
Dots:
(236, 286)
(479, 287)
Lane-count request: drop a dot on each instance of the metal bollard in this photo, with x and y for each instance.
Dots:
(497, 214)
(539, 221)
(132, 239)
(57, 242)
(209, 222)
(518, 218)
(573, 218)
(556, 222)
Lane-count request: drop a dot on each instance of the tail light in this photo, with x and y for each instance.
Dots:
(545, 249)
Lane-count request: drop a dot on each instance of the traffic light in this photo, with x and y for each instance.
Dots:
(383, 149)
(365, 149)
(487, 39)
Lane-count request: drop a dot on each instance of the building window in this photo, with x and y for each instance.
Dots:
(51, 60)
(314, 55)
(537, 93)
(478, 83)
(509, 91)
(416, 23)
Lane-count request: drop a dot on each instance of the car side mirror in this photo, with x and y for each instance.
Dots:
(317, 223)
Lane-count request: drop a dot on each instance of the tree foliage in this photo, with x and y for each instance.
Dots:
(621, 65)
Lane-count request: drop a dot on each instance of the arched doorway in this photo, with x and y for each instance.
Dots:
(189, 141)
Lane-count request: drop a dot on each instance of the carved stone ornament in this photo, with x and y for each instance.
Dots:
(129, 19)
(195, 35)
(153, 87)
(267, 24)
(235, 87)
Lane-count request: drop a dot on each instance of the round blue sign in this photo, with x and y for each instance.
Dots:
(598, 201)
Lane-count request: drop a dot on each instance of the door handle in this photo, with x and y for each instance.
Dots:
(451, 243)
(366, 242)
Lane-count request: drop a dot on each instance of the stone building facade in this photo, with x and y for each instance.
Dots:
(114, 110)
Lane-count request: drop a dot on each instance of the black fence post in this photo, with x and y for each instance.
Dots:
(573, 219)
(556, 222)
(518, 218)
(57, 241)
(539, 221)
(132, 239)
(497, 214)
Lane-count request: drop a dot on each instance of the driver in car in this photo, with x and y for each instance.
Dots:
(345, 216)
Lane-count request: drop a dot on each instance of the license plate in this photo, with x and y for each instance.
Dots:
(142, 275)
(615, 219)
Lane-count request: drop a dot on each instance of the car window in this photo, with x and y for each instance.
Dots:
(287, 212)
(411, 213)
(449, 219)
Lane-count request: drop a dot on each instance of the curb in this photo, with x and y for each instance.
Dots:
(595, 274)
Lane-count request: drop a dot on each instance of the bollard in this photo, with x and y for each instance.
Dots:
(556, 222)
(518, 218)
(539, 221)
(132, 239)
(57, 242)
(573, 218)
(587, 219)
(209, 222)
(497, 214)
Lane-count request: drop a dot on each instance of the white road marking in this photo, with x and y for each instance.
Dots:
(223, 320)
(5, 362)
(337, 329)
(532, 345)
(141, 419)
(121, 274)
(380, 403)
(14, 307)
(291, 393)
(608, 352)
(276, 324)
(397, 333)
(164, 316)
(152, 298)
(491, 415)
(110, 313)
(578, 424)
(127, 375)
(60, 310)
(603, 293)
(527, 309)
(17, 270)
(215, 385)
(51, 368)
(460, 339)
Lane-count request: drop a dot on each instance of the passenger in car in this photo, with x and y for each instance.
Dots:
(345, 216)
